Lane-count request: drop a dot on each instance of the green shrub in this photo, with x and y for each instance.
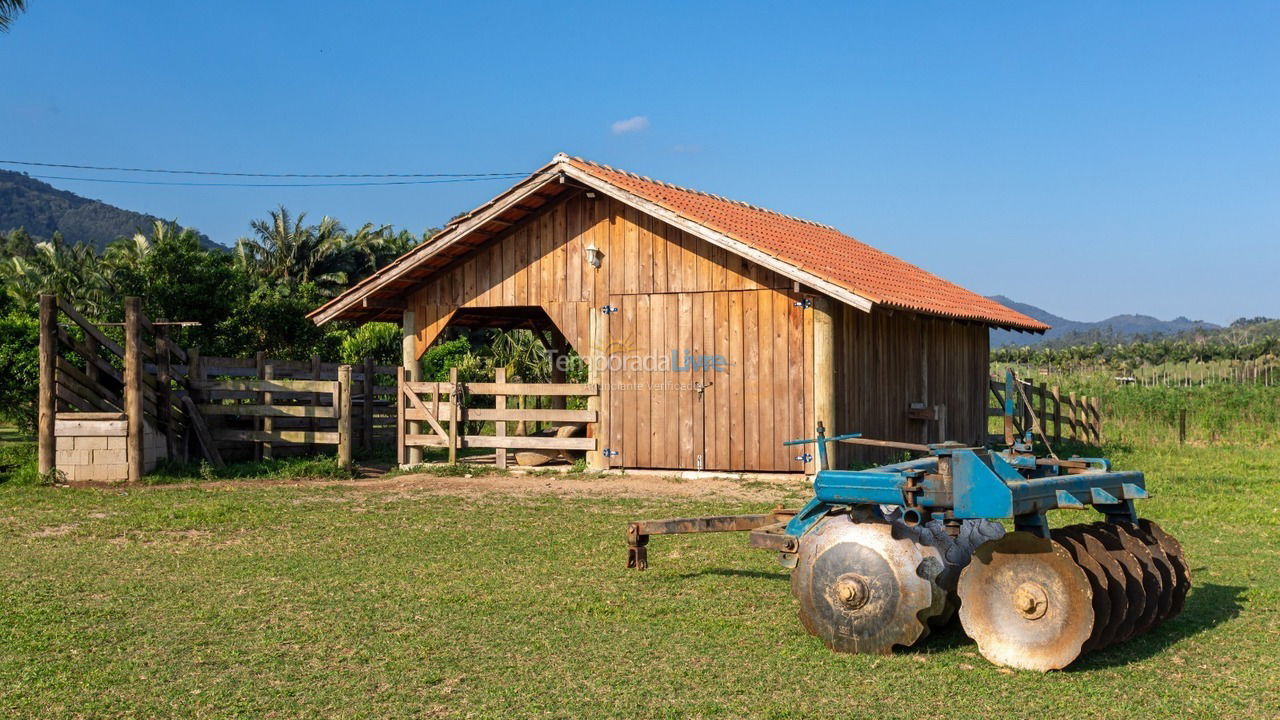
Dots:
(19, 369)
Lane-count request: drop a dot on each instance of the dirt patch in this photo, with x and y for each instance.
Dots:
(626, 486)
(756, 489)
(54, 530)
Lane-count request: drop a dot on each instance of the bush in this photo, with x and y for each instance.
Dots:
(380, 341)
(19, 369)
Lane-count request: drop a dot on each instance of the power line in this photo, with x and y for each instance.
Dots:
(259, 174)
(494, 176)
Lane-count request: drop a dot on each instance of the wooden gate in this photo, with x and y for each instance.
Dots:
(440, 414)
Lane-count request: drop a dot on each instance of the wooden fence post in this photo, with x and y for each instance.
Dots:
(500, 425)
(1182, 426)
(47, 406)
(316, 398)
(366, 414)
(133, 388)
(164, 403)
(260, 450)
(1097, 419)
(455, 409)
(268, 423)
(343, 401)
(1057, 415)
(402, 457)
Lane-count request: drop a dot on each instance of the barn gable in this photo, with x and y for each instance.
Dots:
(815, 255)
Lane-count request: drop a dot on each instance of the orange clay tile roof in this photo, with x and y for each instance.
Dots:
(820, 250)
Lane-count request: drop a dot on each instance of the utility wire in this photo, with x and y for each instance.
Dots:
(261, 175)
(285, 184)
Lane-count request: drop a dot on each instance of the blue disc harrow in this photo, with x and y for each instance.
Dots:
(879, 557)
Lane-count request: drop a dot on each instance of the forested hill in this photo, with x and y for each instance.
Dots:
(1119, 328)
(43, 209)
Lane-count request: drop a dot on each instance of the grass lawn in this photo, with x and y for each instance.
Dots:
(404, 598)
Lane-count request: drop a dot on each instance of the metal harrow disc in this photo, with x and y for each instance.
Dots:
(956, 553)
(1100, 583)
(866, 586)
(1152, 582)
(1173, 552)
(1133, 574)
(1026, 603)
(1119, 623)
(1168, 576)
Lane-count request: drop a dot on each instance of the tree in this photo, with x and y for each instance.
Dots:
(287, 253)
(10, 9)
(72, 272)
(178, 280)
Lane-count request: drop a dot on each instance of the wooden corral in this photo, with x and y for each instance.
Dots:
(112, 405)
(715, 330)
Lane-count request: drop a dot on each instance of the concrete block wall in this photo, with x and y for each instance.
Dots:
(92, 447)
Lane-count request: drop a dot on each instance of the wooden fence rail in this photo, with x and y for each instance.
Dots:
(433, 414)
(1058, 415)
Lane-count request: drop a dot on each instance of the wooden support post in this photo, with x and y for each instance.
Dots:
(1182, 426)
(597, 328)
(455, 412)
(402, 457)
(409, 360)
(268, 422)
(824, 359)
(500, 427)
(133, 388)
(343, 402)
(47, 406)
(366, 407)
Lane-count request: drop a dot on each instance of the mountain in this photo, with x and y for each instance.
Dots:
(43, 209)
(1064, 331)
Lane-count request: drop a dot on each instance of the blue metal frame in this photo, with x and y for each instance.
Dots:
(982, 484)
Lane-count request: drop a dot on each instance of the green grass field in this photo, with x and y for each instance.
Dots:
(394, 599)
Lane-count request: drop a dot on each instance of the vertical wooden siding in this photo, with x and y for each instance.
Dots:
(886, 361)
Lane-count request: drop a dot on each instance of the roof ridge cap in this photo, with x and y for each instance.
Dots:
(704, 193)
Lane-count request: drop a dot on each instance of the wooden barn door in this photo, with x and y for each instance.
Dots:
(733, 392)
(655, 407)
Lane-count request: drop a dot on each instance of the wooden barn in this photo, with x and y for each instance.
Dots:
(714, 329)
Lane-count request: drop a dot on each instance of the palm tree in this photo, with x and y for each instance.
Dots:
(10, 9)
(72, 272)
(287, 253)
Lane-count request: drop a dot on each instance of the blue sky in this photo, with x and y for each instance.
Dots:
(1090, 158)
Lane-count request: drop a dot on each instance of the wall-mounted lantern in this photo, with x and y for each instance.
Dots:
(593, 255)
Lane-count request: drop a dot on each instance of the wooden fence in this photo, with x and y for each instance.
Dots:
(436, 414)
(277, 403)
(1059, 415)
(177, 404)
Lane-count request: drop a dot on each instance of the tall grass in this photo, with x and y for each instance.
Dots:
(1139, 416)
